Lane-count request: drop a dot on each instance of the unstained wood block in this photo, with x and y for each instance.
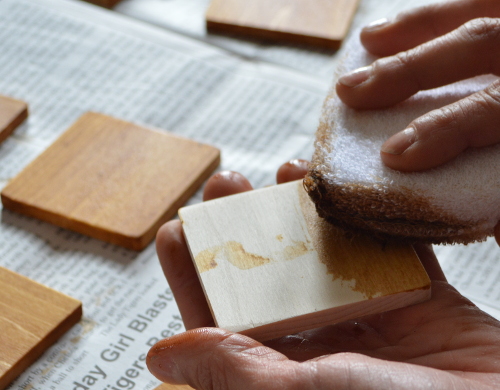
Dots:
(270, 266)
(32, 318)
(317, 23)
(111, 180)
(12, 113)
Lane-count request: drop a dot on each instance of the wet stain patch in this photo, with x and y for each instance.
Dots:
(240, 258)
(233, 252)
(299, 248)
(205, 260)
(336, 253)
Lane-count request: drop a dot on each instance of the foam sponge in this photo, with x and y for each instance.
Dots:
(458, 202)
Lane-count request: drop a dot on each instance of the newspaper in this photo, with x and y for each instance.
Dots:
(258, 103)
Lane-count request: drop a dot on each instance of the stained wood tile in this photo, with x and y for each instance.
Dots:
(12, 113)
(111, 180)
(167, 386)
(270, 266)
(32, 318)
(316, 23)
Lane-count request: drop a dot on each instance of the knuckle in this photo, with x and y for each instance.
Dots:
(405, 62)
(483, 103)
(492, 94)
(482, 29)
(437, 120)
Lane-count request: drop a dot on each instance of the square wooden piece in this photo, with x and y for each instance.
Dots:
(316, 23)
(12, 113)
(32, 318)
(111, 180)
(270, 266)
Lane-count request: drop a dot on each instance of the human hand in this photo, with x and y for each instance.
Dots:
(443, 343)
(426, 48)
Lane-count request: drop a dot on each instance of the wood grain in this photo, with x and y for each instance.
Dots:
(12, 113)
(32, 318)
(167, 386)
(270, 266)
(316, 23)
(111, 180)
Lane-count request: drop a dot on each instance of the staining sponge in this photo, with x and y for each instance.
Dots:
(458, 202)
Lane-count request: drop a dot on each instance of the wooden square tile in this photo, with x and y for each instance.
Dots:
(316, 23)
(270, 266)
(111, 180)
(32, 318)
(12, 113)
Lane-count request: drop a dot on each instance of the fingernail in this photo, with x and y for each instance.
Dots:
(163, 366)
(356, 77)
(379, 23)
(399, 142)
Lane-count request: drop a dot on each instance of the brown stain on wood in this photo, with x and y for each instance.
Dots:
(361, 259)
(205, 260)
(240, 258)
(234, 252)
(299, 248)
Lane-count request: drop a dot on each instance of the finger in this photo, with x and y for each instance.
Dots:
(292, 170)
(442, 134)
(411, 28)
(497, 233)
(466, 52)
(210, 358)
(181, 275)
(225, 183)
(430, 262)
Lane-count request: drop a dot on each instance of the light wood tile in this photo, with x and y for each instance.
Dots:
(270, 266)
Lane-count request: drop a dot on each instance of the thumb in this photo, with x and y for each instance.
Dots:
(212, 358)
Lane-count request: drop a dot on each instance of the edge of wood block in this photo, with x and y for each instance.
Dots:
(168, 386)
(32, 355)
(21, 117)
(215, 27)
(324, 318)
